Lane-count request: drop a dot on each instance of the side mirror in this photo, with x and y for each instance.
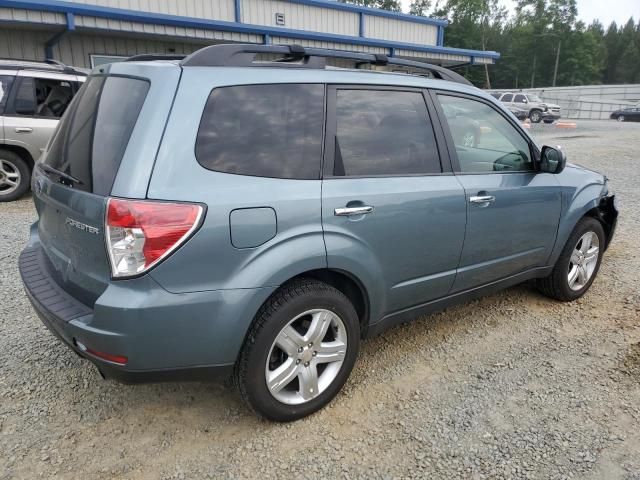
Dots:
(552, 160)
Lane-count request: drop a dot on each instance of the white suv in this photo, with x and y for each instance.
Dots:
(33, 97)
(538, 110)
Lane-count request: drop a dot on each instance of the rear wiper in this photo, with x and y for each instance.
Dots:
(61, 174)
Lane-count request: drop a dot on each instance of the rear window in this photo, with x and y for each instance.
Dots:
(92, 137)
(263, 130)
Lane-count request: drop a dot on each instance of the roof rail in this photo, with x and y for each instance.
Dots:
(244, 55)
(148, 57)
(47, 65)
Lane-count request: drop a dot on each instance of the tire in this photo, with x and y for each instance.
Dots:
(15, 176)
(620, 118)
(535, 116)
(297, 305)
(557, 285)
(548, 121)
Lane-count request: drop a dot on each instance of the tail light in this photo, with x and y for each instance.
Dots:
(141, 233)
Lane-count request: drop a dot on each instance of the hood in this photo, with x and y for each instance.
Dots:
(551, 105)
(587, 170)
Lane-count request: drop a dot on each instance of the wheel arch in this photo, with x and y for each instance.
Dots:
(21, 152)
(349, 285)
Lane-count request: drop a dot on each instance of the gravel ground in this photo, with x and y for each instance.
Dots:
(510, 386)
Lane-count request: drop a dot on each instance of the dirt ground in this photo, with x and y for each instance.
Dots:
(513, 385)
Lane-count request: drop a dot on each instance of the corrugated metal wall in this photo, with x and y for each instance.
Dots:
(209, 9)
(399, 31)
(31, 16)
(165, 30)
(301, 17)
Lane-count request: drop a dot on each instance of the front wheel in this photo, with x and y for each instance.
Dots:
(620, 118)
(578, 264)
(535, 116)
(299, 351)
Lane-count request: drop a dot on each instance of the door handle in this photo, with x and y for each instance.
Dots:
(24, 130)
(352, 211)
(482, 199)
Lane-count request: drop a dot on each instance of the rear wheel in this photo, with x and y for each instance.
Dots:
(535, 116)
(15, 176)
(299, 351)
(578, 264)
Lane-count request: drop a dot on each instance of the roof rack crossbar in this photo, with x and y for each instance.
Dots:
(148, 57)
(244, 55)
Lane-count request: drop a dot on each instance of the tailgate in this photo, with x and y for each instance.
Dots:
(76, 174)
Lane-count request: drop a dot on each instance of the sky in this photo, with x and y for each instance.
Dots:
(604, 10)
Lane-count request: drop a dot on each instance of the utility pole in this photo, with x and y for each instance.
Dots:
(555, 70)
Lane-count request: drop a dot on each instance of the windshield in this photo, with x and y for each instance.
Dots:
(534, 98)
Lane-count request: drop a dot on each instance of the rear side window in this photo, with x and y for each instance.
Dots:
(5, 86)
(507, 97)
(91, 139)
(263, 130)
(382, 132)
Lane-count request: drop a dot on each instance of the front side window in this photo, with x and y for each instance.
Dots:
(382, 132)
(520, 99)
(485, 141)
(263, 130)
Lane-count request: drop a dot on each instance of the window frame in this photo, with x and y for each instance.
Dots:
(322, 138)
(332, 121)
(453, 154)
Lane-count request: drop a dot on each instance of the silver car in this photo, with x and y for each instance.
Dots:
(33, 97)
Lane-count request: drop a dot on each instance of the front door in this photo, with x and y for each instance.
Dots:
(512, 211)
(391, 213)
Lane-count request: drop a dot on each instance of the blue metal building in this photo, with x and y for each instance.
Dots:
(85, 33)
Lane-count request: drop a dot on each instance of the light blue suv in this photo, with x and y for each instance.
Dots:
(248, 210)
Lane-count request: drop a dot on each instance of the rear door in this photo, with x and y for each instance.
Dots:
(512, 210)
(33, 112)
(76, 174)
(392, 212)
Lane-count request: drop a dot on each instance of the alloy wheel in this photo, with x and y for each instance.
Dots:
(306, 356)
(583, 261)
(9, 177)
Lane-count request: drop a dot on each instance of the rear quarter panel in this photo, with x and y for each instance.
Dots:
(209, 260)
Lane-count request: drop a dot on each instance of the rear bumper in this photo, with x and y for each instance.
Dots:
(165, 336)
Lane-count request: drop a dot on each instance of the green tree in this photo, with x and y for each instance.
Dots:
(393, 5)
(420, 7)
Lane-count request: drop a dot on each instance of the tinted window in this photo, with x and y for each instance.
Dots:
(519, 99)
(263, 130)
(485, 141)
(25, 101)
(507, 97)
(120, 105)
(108, 107)
(5, 85)
(495, 94)
(383, 133)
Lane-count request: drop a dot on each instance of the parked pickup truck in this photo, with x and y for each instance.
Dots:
(538, 110)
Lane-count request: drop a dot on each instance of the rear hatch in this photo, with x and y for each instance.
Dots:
(76, 174)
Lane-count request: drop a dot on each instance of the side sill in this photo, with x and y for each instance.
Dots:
(411, 313)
